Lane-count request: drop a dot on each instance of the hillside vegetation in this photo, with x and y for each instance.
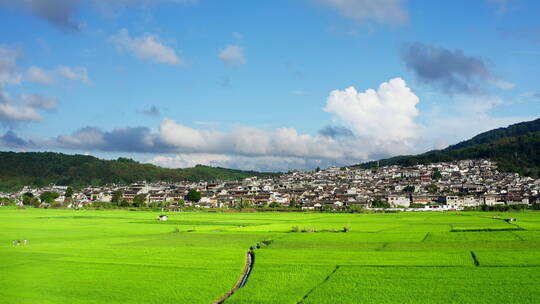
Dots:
(43, 168)
(514, 148)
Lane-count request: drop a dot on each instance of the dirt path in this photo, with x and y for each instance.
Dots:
(250, 260)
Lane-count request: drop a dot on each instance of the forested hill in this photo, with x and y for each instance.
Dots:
(515, 148)
(493, 135)
(43, 168)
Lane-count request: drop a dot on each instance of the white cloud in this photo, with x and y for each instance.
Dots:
(13, 112)
(40, 75)
(385, 115)
(383, 11)
(382, 124)
(249, 141)
(26, 108)
(146, 47)
(232, 55)
(75, 73)
(36, 101)
(37, 74)
(369, 125)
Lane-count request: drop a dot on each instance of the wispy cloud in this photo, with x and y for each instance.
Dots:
(48, 77)
(25, 107)
(146, 47)
(232, 56)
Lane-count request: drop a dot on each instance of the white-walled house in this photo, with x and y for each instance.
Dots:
(399, 200)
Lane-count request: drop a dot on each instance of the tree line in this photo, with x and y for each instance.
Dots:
(39, 169)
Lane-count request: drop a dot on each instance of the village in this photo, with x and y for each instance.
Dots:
(440, 186)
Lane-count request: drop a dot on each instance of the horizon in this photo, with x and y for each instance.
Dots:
(238, 85)
(254, 170)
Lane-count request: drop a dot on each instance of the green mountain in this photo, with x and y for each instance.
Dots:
(43, 168)
(515, 149)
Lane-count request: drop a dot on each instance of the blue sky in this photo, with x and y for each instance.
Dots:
(265, 85)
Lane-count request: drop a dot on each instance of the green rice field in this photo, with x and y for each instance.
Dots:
(85, 256)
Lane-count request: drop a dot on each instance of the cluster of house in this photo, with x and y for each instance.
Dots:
(439, 186)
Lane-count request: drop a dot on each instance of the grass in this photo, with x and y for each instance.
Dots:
(428, 285)
(80, 256)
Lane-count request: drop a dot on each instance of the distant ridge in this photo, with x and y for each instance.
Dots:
(495, 134)
(515, 148)
(18, 169)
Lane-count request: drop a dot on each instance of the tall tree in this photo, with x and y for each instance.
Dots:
(436, 174)
(117, 196)
(139, 200)
(48, 196)
(69, 192)
(193, 195)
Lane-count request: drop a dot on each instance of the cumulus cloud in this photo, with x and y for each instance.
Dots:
(147, 47)
(375, 123)
(232, 55)
(450, 70)
(246, 141)
(382, 11)
(379, 123)
(384, 115)
(172, 137)
(26, 108)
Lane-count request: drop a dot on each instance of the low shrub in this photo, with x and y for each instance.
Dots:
(308, 229)
(57, 205)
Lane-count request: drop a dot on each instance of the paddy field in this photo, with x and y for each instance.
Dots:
(89, 256)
